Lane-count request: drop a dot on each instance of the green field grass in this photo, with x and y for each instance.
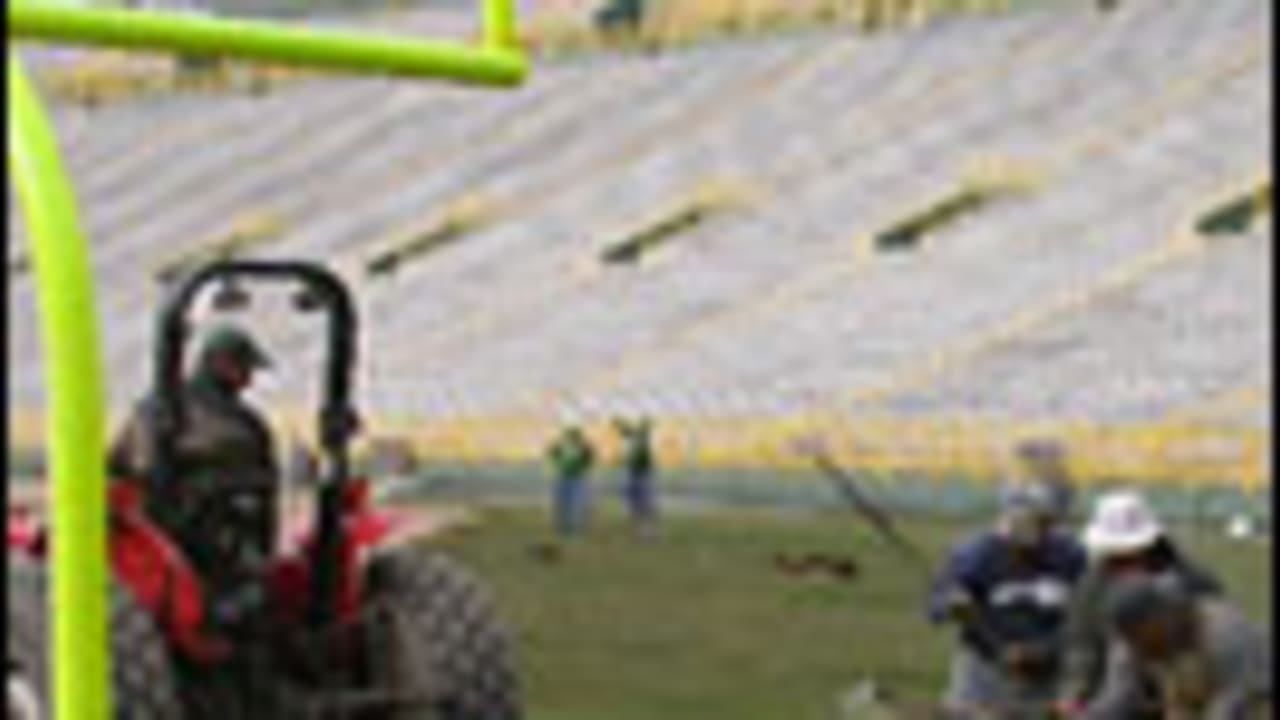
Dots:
(698, 625)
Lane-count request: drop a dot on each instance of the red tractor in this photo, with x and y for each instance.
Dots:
(349, 621)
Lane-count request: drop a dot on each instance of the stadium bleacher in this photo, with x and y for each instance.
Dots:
(1076, 298)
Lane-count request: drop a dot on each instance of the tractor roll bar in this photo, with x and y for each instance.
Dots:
(336, 422)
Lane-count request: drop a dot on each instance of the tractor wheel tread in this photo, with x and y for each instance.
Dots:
(469, 649)
(143, 686)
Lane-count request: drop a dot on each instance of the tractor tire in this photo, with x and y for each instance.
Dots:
(142, 677)
(436, 635)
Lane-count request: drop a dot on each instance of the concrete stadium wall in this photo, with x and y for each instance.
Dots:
(1186, 457)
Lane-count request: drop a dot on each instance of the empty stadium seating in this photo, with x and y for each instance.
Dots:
(1079, 297)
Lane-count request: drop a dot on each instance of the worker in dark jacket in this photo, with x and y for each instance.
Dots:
(223, 509)
(572, 458)
(1206, 661)
(1123, 538)
(638, 464)
(1007, 590)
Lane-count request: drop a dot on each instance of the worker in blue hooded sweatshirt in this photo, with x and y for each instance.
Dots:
(1007, 589)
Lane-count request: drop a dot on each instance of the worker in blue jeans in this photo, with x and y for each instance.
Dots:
(638, 463)
(571, 457)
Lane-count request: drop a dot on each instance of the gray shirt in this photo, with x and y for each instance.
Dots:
(1086, 635)
(1224, 675)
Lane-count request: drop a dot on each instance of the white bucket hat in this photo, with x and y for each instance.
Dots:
(1122, 523)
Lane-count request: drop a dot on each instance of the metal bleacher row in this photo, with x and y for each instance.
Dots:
(1081, 297)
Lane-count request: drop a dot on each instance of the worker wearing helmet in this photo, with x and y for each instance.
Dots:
(1007, 589)
(225, 458)
(1124, 537)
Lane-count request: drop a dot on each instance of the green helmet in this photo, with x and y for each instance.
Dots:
(236, 342)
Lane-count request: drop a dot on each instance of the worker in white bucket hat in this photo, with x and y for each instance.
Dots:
(1122, 523)
(1124, 537)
